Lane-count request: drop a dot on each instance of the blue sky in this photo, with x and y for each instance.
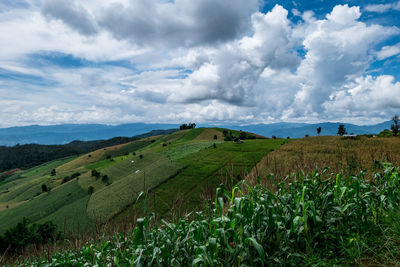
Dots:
(208, 61)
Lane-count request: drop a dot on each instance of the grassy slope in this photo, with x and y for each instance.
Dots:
(127, 181)
(178, 166)
(43, 205)
(204, 170)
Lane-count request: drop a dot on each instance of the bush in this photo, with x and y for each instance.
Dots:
(90, 190)
(104, 178)
(44, 188)
(187, 126)
(140, 156)
(215, 137)
(18, 237)
(96, 174)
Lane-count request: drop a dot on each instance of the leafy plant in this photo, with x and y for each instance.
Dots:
(311, 219)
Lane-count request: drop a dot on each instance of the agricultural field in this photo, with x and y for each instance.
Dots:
(177, 171)
(337, 153)
(195, 184)
(346, 221)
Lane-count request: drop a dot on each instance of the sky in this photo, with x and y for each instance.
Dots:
(203, 61)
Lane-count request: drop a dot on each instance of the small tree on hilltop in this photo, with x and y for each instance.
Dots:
(395, 126)
(319, 130)
(341, 130)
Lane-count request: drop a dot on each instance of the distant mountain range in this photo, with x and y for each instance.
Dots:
(65, 133)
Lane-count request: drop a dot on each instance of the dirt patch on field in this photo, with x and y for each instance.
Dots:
(208, 134)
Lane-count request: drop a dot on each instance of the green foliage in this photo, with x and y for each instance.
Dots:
(341, 130)
(385, 133)
(21, 235)
(95, 173)
(53, 172)
(187, 126)
(311, 221)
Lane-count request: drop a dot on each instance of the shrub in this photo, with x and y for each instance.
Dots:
(215, 137)
(140, 156)
(90, 190)
(16, 238)
(104, 178)
(96, 174)
(44, 188)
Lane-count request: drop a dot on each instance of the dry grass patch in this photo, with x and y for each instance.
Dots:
(208, 134)
(335, 152)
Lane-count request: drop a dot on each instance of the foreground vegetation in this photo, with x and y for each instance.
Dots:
(320, 218)
(80, 193)
(350, 155)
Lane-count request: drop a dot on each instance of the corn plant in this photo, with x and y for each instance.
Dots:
(310, 218)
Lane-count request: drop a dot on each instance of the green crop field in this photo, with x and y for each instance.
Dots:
(127, 181)
(43, 205)
(205, 170)
(177, 171)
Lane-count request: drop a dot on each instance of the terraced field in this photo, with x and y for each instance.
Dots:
(177, 170)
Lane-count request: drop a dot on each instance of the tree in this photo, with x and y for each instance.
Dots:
(187, 126)
(53, 172)
(104, 178)
(90, 190)
(215, 137)
(341, 130)
(44, 188)
(242, 135)
(395, 126)
(319, 130)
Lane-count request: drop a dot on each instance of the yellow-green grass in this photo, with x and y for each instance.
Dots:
(87, 159)
(25, 191)
(127, 149)
(23, 177)
(43, 205)
(203, 171)
(127, 181)
(107, 162)
(328, 151)
(178, 151)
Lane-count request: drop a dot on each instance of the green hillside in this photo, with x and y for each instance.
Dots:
(185, 167)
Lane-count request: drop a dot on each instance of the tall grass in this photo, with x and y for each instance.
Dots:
(338, 153)
(311, 220)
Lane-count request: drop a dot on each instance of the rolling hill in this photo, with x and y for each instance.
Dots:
(65, 133)
(105, 184)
